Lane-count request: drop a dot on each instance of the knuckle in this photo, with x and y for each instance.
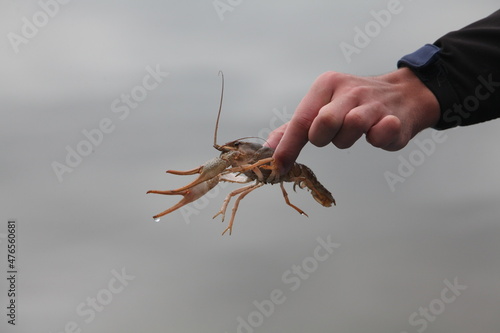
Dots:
(328, 118)
(342, 144)
(378, 107)
(376, 141)
(359, 91)
(331, 78)
(355, 121)
(318, 140)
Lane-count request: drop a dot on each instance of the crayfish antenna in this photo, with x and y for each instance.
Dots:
(216, 146)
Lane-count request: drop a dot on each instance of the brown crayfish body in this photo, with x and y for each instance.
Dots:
(243, 162)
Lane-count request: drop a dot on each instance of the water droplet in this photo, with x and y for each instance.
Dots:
(157, 219)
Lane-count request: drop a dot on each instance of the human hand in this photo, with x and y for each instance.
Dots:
(339, 108)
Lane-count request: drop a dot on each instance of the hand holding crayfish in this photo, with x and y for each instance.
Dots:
(339, 108)
(243, 162)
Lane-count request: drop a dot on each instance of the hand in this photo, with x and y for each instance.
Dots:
(339, 108)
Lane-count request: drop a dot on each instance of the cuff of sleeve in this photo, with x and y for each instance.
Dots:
(427, 65)
(421, 58)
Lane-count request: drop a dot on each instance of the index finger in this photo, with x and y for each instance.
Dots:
(296, 132)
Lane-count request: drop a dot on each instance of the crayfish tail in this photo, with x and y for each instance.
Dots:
(304, 177)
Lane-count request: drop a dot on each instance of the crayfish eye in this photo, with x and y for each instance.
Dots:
(236, 143)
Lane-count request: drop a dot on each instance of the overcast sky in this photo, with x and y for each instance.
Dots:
(98, 99)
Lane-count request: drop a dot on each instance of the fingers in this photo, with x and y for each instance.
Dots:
(386, 134)
(340, 108)
(292, 141)
(343, 122)
(296, 134)
(330, 120)
(362, 120)
(275, 136)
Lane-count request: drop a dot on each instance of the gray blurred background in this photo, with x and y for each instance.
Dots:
(397, 251)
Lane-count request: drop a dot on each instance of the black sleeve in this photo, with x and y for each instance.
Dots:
(462, 69)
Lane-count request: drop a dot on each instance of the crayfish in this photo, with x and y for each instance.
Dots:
(243, 162)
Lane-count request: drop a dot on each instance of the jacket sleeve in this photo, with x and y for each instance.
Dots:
(462, 69)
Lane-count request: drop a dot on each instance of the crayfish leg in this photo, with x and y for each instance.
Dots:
(275, 175)
(285, 195)
(247, 190)
(249, 167)
(228, 198)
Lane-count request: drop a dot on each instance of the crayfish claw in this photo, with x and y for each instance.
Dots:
(189, 195)
(184, 173)
(207, 171)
